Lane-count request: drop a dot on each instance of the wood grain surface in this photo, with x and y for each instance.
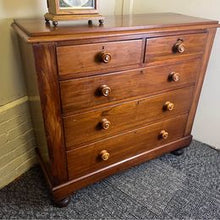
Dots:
(87, 159)
(163, 48)
(85, 128)
(35, 30)
(45, 60)
(76, 61)
(125, 85)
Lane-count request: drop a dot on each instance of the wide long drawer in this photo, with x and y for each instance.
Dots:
(102, 123)
(106, 89)
(90, 59)
(102, 154)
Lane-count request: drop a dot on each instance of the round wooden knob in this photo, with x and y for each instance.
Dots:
(179, 46)
(164, 134)
(169, 106)
(104, 155)
(105, 90)
(105, 57)
(174, 77)
(105, 124)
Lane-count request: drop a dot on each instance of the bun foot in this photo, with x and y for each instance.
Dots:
(63, 203)
(47, 21)
(55, 23)
(178, 152)
(101, 22)
(90, 22)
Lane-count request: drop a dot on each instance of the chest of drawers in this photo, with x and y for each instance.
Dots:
(105, 98)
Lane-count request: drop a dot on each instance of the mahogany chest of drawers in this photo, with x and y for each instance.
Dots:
(105, 98)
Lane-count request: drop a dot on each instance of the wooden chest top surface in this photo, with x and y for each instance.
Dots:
(35, 30)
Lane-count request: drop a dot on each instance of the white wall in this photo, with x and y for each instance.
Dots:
(207, 121)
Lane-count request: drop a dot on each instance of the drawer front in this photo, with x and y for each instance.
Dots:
(92, 126)
(94, 157)
(98, 58)
(90, 93)
(174, 47)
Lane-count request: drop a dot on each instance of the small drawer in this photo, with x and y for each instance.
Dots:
(90, 59)
(175, 47)
(102, 154)
(88, 127)
(106, 89)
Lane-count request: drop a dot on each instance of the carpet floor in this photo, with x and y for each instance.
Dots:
(169, 187)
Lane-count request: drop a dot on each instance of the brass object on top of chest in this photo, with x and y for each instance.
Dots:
(63, 10)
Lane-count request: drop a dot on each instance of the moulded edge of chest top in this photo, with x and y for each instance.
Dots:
(109, 33)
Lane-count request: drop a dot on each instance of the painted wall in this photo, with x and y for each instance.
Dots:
(17, 141)
(16, 134)
(207, 121)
